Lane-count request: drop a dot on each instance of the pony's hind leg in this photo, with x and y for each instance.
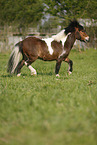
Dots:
(19, 66)
(33, 71)
(70, 62)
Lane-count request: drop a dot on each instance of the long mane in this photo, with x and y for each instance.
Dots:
(72, 25)
(70, 28)
(62, 35)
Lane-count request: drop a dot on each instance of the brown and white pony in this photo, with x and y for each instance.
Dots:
(55, 48)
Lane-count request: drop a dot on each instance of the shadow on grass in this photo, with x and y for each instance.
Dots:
(38, 74)
(12, 75)
(46, 74)
(6, 76)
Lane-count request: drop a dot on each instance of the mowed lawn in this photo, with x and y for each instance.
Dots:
(45, 110)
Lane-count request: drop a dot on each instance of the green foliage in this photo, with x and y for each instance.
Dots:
(50, 25)
(92, 9)
(18, 11)
(31, 11)
(70, 9)
(45, 110)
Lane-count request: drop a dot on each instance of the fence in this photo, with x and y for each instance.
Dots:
(9, 36)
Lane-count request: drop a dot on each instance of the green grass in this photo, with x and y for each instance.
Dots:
(45, 110)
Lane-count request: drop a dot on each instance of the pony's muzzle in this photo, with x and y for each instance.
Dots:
(87, 39)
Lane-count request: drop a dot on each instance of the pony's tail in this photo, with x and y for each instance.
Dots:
(14, 59)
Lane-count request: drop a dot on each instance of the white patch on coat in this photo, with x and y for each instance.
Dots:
(63, 41)
(65, 38)
(18, 75)
(61, 36)
(63, 52)
(25, 63)
(57, 75)
(69, 72)
(48, 41)
(33, 71)
(58, 37)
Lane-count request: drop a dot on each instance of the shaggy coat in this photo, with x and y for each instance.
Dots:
(55, 48)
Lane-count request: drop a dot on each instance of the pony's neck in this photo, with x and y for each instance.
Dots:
(70, 41)
(67, 39)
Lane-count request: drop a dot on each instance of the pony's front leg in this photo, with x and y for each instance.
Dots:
(70, 62)
(57, 68)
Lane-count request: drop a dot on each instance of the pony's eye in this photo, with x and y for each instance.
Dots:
(83, 30)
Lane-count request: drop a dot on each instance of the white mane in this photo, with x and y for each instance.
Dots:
(60, 36)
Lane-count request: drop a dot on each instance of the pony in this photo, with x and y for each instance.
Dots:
(56, 48)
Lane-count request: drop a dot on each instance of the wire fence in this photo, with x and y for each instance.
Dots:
(9, 36)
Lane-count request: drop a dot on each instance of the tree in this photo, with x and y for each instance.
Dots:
(92, 9)
(70, 9)
(22, 12)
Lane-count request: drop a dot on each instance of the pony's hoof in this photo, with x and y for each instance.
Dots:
(57, 75)
(69, 72)
(18, 75)
(34, 74)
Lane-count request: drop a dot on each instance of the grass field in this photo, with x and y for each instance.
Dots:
(45, 110)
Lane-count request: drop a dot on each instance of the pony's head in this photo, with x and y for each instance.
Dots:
(78, 29)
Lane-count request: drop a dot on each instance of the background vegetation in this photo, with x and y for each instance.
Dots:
(30, 11)
(45, 110)
(45, 16)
